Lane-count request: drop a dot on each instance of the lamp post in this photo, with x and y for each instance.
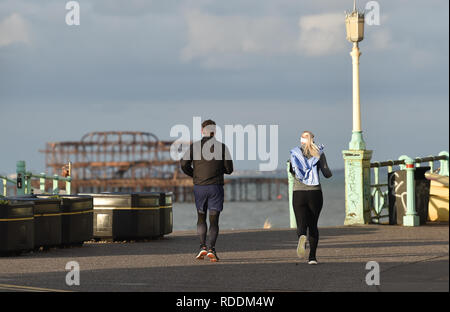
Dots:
(357, 158)
(354, 24)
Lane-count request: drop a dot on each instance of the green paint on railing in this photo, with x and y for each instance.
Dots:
(42, 183)
(20, 171)
(411, 218)
(24, 178)
(444, 164)
(55, 184)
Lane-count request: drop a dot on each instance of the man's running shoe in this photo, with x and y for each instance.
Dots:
(313, 262)
(301, 247)
(212, 255)
(202, 253)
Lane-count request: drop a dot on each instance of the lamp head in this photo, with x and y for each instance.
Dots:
(354, 24)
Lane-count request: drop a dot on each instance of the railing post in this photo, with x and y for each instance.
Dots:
(55, 184)
(376, 171)
(390, 168)
(42, 183)
(418, 162)
(292, 221)
(5, 187)
(28, 183)
(21, 172)
(431, 164)
(444, 164)
(411, 218)
(69, 186)
(69, 180)
(25, 187)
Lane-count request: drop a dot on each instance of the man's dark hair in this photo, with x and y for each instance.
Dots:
(208, 122)
(209, 125)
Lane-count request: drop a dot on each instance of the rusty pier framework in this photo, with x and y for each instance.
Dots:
(125, 161)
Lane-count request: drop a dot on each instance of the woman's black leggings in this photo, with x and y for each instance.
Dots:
(307, 206)
(202, 227)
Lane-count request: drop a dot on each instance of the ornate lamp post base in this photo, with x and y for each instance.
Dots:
(357, 186)
(357, 143)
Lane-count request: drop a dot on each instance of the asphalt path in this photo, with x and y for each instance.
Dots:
(409, 259)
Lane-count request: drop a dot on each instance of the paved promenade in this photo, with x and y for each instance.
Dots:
(410, 259)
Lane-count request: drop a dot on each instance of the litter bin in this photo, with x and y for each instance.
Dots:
(76, 218)
(47, 220)
(398, 196)
(166, 199)
(148, 215)
(16, 227)
(114, 217)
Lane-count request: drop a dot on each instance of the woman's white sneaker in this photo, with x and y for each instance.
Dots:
(313, 262)
(301, 247)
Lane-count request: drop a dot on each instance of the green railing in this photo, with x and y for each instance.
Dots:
(379, 191)
(24, 178)
(5, 181)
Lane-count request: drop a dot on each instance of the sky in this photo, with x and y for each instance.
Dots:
(147, 65)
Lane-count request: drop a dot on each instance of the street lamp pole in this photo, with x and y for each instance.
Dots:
(357, 158)
(357, 142)
(354, 22)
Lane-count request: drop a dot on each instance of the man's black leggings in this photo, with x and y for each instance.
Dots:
(202, 227)
(307, 206)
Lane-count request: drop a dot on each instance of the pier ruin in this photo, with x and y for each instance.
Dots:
(126, 161)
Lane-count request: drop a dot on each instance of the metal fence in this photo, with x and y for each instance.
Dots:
(24, 178)
(380, 191)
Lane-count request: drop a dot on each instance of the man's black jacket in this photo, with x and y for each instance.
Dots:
(209, 166)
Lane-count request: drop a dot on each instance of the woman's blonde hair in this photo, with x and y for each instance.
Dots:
(310, 148)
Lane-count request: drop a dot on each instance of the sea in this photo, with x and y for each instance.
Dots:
(268, 214)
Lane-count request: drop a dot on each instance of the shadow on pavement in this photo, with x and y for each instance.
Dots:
(258, 240)
(283, 276)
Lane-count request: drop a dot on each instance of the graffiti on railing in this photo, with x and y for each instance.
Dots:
(394, 185)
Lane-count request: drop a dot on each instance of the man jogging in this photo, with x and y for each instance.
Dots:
(206, 162)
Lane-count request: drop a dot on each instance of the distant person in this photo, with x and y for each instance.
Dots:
(305, 162)
(207, 161)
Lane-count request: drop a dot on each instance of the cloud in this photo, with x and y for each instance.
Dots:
(423, 59)
(321, 34)
(132, 8)
(13, 29)
(221, 40)
(381, 39)
(211, 34)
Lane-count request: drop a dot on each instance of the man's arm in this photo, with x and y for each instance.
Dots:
(227, 161)
(186, 162)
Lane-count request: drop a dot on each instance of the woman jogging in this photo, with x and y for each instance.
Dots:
(306, 161)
